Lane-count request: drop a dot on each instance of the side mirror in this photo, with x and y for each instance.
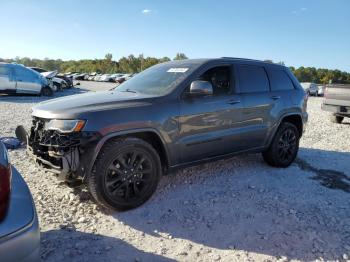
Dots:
(201, 88)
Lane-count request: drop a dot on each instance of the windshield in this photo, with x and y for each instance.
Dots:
(159, 79)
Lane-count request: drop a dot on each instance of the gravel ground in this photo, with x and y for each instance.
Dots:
(238, 209)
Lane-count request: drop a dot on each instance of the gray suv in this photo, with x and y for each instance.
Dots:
(120, 142)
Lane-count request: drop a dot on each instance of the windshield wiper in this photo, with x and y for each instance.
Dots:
(128, 90)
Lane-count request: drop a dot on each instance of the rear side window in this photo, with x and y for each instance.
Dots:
(4, 70)
(252, 79)
(280, 80)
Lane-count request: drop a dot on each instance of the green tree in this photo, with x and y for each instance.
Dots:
(109, 56)
(180, 56)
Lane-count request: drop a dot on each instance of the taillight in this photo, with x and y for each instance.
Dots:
(5, 182)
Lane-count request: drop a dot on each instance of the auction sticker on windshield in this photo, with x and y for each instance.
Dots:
(178, 70)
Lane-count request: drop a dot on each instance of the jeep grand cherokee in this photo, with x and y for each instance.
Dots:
(120, 142)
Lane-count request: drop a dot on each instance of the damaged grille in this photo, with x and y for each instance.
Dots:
(57, 151)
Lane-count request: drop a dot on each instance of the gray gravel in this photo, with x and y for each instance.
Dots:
(238, 209)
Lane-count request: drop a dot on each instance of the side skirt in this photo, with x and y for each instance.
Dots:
(215, 158)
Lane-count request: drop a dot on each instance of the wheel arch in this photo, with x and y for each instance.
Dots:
(294, 118)
(149, 135)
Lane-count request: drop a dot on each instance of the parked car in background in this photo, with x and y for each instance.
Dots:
(18, 79)
(19, 227)
(68, 79)
(91, 77)
(171, 115)
(106, 78)
(59, 83)
(320, 91)
(97, 77)
(337, 102)
(121, 78)
(310, 88)
(79, 76)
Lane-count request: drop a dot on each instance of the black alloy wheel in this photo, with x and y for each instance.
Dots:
(125, 174)
(287, 145)
(284, 146)
(128, 176)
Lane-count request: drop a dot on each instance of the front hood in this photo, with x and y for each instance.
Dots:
(50, 74)
(71, 107)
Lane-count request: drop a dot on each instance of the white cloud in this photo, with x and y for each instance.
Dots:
(146, 11)
(303, 9)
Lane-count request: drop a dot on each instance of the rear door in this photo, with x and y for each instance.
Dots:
(7, 80)
(282, 89)
(257, 104)
(27, 80)
(209, 126)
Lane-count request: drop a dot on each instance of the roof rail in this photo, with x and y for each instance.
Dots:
(239, 58)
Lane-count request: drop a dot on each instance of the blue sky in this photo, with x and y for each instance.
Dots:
(310, 32)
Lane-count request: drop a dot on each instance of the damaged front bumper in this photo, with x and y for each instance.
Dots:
(68, 155)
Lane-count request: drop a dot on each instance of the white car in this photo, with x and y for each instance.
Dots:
(18, 79)
(320, 91)
(310, 88)
(97, 77)
(105, 78)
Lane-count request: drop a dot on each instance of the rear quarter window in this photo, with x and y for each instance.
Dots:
(279, 80)
(252, 79)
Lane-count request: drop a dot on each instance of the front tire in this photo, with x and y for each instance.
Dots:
(284, 146)
(337, 119)
(46, 91)
(125, 174)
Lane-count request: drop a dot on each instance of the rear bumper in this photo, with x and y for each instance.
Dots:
(19, 231)
(336, 109)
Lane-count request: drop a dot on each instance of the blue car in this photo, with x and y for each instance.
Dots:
(19, 227)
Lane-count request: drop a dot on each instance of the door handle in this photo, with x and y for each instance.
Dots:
(19, 80)
(233, 102)
(275, 97)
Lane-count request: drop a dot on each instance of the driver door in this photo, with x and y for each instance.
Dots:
(209, 125)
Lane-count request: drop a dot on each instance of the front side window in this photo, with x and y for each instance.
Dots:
(219, 77)
(252, 79)
(280, 80)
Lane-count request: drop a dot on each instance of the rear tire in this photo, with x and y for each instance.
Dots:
(125, 174)
(284, 146)
(337, 119)
(46, 91)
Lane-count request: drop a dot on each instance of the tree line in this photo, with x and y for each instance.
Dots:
(135, 64)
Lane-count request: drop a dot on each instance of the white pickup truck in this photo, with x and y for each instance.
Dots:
(337, 101)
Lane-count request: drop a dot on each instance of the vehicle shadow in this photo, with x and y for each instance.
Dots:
(243, 204)
(72, 245)
(24, 98)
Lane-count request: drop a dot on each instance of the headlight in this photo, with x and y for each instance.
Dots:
(65, 126)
